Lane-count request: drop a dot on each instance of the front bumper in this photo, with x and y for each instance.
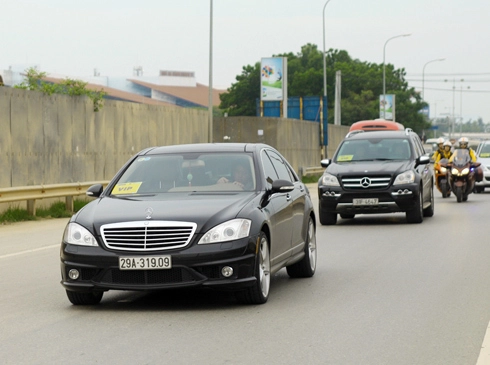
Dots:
(198, 265)
(401, 198)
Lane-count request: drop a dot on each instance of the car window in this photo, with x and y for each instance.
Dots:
(419, 149)
(485, 150)
(269, 171)
(188, 172)
(280, 166)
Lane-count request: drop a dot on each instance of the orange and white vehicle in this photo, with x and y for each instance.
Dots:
(376, 125)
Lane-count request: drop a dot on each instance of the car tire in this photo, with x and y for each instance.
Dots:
(307, 266)
(479, 189)
(258, 293)
(328, 219)
(429, 211)
(90, 298)
(416, 215)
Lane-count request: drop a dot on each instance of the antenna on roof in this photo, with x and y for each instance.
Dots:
(137, 71)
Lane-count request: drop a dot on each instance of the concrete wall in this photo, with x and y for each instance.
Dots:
(60, 139)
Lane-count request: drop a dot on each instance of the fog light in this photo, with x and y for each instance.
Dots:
(227, 271)
(74, 274)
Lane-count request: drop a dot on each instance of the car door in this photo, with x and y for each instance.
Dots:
(425, 171)
(280, 211)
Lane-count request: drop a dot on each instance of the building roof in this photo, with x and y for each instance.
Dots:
(197, 95)
(117, 94)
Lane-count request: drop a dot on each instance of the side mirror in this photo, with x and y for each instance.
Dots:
(95, 190)
(423, 160)
(326, 162)
(282, 186)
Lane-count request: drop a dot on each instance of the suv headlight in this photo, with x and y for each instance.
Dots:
(75, 234)
(329, 180)
(406, 177)
(228, 231)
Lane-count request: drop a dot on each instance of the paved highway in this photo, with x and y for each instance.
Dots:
(385, 292)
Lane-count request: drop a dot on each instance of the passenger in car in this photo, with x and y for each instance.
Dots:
(241, 177)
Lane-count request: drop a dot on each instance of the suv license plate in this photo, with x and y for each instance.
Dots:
(371, 201)
(145, 263)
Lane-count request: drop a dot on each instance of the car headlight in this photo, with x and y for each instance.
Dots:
(75, 234)
(228, 231)
(329, 180)
(406, 177)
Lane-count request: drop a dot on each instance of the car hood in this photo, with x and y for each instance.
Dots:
(206, 210)
(484, 161)
(370, 167)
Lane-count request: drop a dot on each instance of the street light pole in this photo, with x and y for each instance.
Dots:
(324, 55)
(384, 70)
(423, 73)
(210, 105)
(324, 124)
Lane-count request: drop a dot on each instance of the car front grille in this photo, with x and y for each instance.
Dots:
(365, 182)
(147, 236)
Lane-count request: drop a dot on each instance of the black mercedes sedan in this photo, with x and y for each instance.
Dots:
(225, 216)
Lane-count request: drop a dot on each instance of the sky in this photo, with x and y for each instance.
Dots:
(74, 37)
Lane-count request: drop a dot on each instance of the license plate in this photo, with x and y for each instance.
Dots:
(145, 263)
(371, 201)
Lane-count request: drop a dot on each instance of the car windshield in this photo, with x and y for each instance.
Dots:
(485, 151)
(374, 149)
(214, 172)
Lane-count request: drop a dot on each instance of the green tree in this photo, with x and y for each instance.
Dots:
(361, 87)
(33, 80)
(241, 97)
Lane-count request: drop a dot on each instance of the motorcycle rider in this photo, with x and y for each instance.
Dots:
(440, 150)
(446, 152)
(463, 144)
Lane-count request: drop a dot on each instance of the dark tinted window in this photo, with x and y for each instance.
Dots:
(280, 166)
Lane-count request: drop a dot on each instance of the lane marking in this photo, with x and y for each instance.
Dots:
(484, 357)
(28, 251)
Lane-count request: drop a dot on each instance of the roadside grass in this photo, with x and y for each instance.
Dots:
(57, 210)
(313, 179)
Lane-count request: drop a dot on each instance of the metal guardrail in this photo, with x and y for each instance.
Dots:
(35, 192)
(311, 171)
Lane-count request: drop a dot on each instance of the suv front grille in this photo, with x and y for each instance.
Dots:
(147, 235)
(365, 182)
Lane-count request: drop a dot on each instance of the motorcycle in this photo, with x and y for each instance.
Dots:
(442, 183)
(461, 174)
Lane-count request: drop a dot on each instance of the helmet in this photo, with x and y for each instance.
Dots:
(447, 143)
(440, 140)
(463, 141)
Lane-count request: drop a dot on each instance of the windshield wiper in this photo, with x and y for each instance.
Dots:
(130, 197)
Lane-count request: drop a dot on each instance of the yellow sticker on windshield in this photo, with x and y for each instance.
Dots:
(345, 158)
(486, 154)
(126, 188)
